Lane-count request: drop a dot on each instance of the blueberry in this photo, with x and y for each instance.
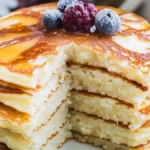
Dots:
(52, 19)
(62, 4)
(107, 22)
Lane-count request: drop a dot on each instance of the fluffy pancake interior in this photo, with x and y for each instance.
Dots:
(98, 81)
(84, 54)
(59, 138)
(107, 108)
(53, 63)
(93, 126)
(99, 142)
(106, 144)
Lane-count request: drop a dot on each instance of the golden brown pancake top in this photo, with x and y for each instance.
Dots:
(27, 38)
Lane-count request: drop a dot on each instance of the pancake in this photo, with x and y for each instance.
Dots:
(102, 82)
(59, 138)
(116, 133)
(55, 141)
(32, 80)
(25, 124)
(117, 53)
(29, 56)
(109, 109)
(16, 141)
(106, 144)
(60, 72)
(30, 101)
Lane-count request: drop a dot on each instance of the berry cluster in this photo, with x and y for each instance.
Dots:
(77, 16)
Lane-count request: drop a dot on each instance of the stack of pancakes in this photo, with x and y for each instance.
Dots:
(111, 87)
(109, 77)
(34, 86)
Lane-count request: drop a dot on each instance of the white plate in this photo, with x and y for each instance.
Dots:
(74, 145)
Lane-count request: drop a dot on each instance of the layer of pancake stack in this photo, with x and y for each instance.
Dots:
(104, 80)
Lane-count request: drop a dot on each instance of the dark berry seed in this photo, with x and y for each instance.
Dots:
(52, 19)
(62, 4)
(107, 22)
(79, 17)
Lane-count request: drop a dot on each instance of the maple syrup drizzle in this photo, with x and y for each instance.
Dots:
(19, 39)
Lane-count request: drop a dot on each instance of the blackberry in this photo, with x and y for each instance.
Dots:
(79, 17)
(52, 19)
(107, 22)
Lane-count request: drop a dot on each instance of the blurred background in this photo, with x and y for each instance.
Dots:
(141, 7)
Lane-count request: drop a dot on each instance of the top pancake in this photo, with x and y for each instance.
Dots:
(25, 46)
